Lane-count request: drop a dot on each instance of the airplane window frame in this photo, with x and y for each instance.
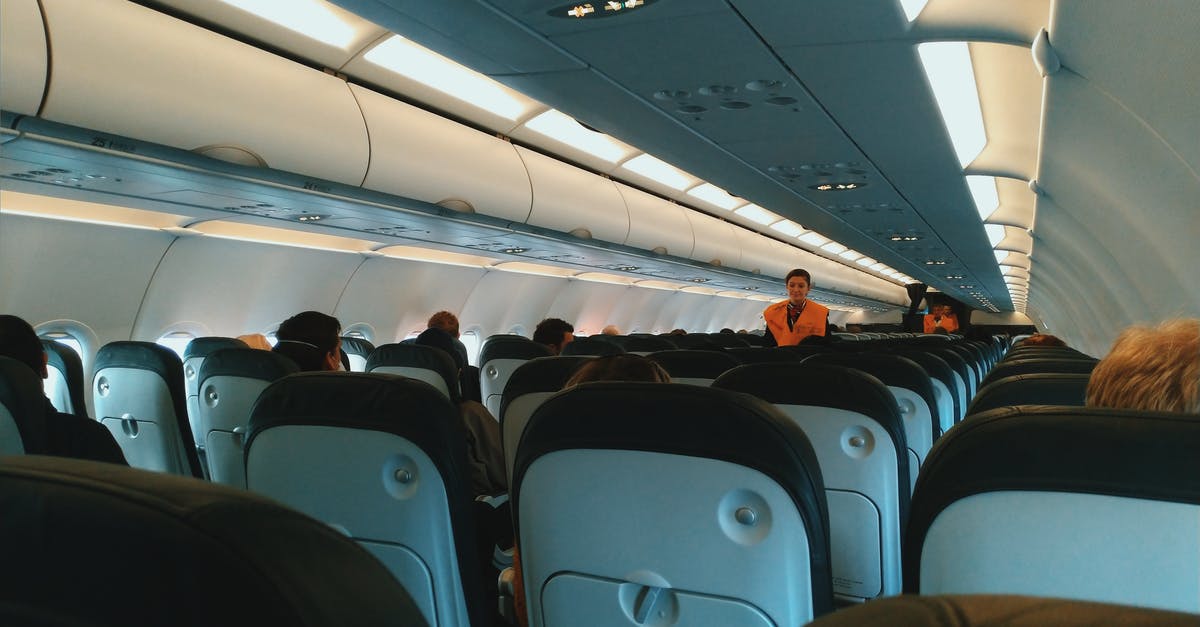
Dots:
(472, 338)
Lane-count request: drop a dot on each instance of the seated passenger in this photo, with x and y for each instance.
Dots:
(1042, 339)
(554, 333)
(312, 340)
(448, 322)
(1151, 368)
(611, 329)
(67, 435)
(256, 340)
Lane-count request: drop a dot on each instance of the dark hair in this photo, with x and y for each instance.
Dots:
(307, 356)
(798, 272)
(551, 331)
(445, 321)
(19, 341)
(439, 339)
(1042, 339)
(322, 331)
(623, 367)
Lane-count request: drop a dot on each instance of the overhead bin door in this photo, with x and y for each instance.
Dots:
(571, 200)
(22, 56)
(656, 224)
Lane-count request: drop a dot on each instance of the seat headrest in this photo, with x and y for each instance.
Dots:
(418, 356)
(992, 610)
(250, 363)
(761, 354)
(592, 346)
(202, 346)
(63, 359)
(683, 362)
(511, 347)
(142, 356)
(21, 394)
(542, 374)
(1045, 388)
(646, 344)
(356, 346)
(88, 543)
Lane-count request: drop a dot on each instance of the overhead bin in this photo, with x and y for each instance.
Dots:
(417, 154)
(716, 241)
(124, 69)
(655, 224)
(23, 58)
(571, 200)
(764, 255)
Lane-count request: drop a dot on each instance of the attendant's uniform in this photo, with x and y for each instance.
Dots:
(949, 322)
(790, 324)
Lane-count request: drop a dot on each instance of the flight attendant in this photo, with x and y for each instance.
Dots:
(941, 317)
(791, 321)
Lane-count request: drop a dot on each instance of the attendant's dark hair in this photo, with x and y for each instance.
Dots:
(798, 272)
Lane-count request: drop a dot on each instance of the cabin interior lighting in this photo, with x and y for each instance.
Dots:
(282, 237)
(834, 248)
(995, 233)
(904, 238)
(592, 10)
(32, 205)
(789, 228)
(865, 262)
(601, 277)
(838, 187)
(812, 238)
(657, 170)
(430, 255)
(524, 267)
(564, 128)
(659, 285)
(913, 8)
(952, 77)
(758, 215)
(311, 18)
(405, 57)
(514, 250)
(716, 196)
(850, 255)
(311, 217)
(983, 192)
(696, 289)
(876, 267)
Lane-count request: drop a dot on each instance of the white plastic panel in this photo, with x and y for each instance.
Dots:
(715, 241)
(22, 56)
(417, 154)
(763, 255)
(568, 199)
(655, 223)
(155, 78)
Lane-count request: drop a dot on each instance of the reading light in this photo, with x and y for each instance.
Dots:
(983, 191)
(837, 187)
(758, 215)
(715, 196)
(948, 66)
(658, 170)
(405, 57)
(789, 228)
(310, 18)
(516, 250)
(905, 238)
(557, 125)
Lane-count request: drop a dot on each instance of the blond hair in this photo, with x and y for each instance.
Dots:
(1151, 368)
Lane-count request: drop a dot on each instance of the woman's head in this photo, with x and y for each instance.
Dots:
(798, 283)
(1151, 368)
(624, 367)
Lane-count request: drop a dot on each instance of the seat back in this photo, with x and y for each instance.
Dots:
(911, 386)
(1036, 365)
(417, 361)
(231, 380)
(592, 346)
(1046, 388)
(727, 340)
(644, 344)
(694, 367)
(138, 393)
(64, 379)
(991, 610)
(382, 459)
(22, 405)
(193, 358)
(856, 431)
(946, 390)
(1068, 502)
(499, 356)
(357, 350)
(78, 537)
(664, 503)
(529, 386)
(962, 373)
(761, 354)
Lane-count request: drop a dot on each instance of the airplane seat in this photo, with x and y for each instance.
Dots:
(357, 350)
(1035, 365)
(694, 367)
(991, 610)
(761, 354)
(1042, 352)
(727, 340)
(913, 389)
(138, 393)
(1043, 388)
(382, 459)
(91, 543)
(499, 356)
(974, 364)
(694, 341)
(22, 405)
(965, 381)
(951, 405)
(592, 346)
(1068, 502)
(193, 358)
(529, 386)
(664, 504)
(64, 381)
(857, 433)
(424, 363)
(230, 381)
(646, 344)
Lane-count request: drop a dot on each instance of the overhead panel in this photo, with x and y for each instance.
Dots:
(23, 57)
(125, 69)
(657, 225)
(574, 201)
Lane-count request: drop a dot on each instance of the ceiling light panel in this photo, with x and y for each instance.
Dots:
(983, 191)
(952, 78)
(715, 196)
(834, 248)
(311, 18)
(812, 238)
(564, 128)
(789, 228)
(659, 171)
(758, 215)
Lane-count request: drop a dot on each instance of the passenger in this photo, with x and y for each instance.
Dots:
(1042, 339)
(445, 321)
(941, 316)
(312, 340)
(483, 430)
(256, 340)
(726, 330)
(554, 333)
(677, 332)
(67, 435)
(611, 329)
(792, 320)
(1151, 368)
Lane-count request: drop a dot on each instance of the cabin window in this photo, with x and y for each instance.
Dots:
(518, 329)
(470, 339)
(176, 341)
(360, 330)
(66, 339)
(412, 335)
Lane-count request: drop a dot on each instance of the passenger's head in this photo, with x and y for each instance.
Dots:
(555, 333)
(678, 332)
(441, 340)
(798, 283)
(623, 367)
(1042, 339)
(19, 341)
(255, 340)
(312, 339)
(610, 330)
(1151, 368)
(445, 321)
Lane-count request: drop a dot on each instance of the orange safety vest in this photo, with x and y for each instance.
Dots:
(949, 323)
(811, 322)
